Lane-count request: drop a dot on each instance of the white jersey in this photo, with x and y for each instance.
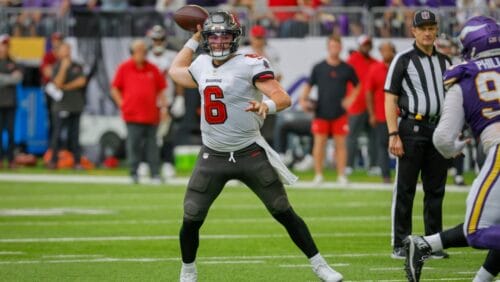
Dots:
(163, 63)
(225, 92)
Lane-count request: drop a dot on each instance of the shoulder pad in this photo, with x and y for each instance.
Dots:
(253, 59)
(455, 73)
(256, 61)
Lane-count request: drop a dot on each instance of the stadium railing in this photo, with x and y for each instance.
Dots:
(295, 22)
(33, 21)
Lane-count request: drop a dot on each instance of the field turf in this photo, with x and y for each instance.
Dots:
(96, 232)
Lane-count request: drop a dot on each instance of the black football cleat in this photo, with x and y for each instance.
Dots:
(417, 251)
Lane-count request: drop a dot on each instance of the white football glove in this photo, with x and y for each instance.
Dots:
(178, 108)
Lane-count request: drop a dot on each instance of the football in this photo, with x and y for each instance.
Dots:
(189, 16)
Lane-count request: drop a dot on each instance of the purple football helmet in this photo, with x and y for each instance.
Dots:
(480, 34)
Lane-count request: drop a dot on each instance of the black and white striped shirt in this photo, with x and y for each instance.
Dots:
(417, 79)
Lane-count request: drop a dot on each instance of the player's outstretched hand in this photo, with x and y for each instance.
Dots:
(257, 107)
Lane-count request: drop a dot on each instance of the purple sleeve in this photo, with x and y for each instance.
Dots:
(454, 74)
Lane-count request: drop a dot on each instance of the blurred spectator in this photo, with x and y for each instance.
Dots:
(445, 44)
(470, 8)
(137, 90)
(11, 3)
(376, 3)
(331, 77)
(142, 3)
(169, 5)
(293, 21)
(34, 22)
(81, 5)
(294, 122)
(114, 5)
(50, 57)
(10, 75)
(46, 69)
(355, 24)
(258, 45)
(162, 58)
(24, 25)
(206, 3)
(396, 20)
(361, 61)
(375, 99)
(69, 78)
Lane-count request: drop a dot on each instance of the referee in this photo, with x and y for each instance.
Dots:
(414, 88)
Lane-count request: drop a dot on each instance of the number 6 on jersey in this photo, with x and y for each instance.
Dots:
(215, 109)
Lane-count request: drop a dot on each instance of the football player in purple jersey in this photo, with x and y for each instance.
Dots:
(472, 97)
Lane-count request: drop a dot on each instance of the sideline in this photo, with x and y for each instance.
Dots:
(182, 181)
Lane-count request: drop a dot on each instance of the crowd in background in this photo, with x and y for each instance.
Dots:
(282, 18)
(363, 115)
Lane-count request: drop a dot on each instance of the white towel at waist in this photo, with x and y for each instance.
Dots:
(285, 175)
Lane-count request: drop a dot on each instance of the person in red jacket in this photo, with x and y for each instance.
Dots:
(361, 61)
(375, 99)
(137, 90)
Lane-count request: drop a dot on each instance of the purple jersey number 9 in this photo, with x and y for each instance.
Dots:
(488, 88)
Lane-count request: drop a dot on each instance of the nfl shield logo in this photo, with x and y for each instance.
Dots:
(426, 15)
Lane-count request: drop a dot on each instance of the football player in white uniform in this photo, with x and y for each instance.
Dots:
(231, 87)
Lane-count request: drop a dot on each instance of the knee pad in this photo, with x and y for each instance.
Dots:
(193, 211)
(279, 205)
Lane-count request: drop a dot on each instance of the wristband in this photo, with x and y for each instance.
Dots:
(192, 44)
(394, 133)
(271, 105)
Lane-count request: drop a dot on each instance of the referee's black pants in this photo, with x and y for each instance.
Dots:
(420, 157)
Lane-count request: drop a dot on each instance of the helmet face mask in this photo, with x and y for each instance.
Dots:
(220, 44)
(221, 35)
(480, 37)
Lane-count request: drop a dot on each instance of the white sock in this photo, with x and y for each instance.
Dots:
(435, 242)
(483, 276)
(189, 267)
(317, 260)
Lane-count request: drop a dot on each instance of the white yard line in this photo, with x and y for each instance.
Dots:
(182, 181)
(71, 256)
(8, 253)
(176, 237)
(394, 268)
(308, 265)
(421, 279)
(91, 260)
(177, 221)
(232, 262)
(95, 258)
(211, 220)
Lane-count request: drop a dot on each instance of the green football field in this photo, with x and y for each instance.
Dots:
(96, 232)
